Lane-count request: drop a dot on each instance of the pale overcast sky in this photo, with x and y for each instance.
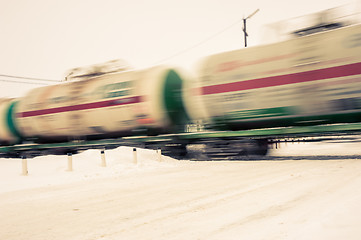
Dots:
(45, 38)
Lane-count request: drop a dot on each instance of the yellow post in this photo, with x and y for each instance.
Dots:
(159, 152)
(70, 162)
(24, 166)
(135, 160)
(102, 154)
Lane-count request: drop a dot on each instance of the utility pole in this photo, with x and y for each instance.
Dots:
(245, 26)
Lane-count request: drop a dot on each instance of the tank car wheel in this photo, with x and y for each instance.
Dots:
(258, 147)
(236, 148)
(177, 150)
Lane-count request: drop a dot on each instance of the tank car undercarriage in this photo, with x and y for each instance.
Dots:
(216, 145)
(202, 149)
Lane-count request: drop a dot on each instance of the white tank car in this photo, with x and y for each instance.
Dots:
(8, 134)
(311, 79)
(111, 105)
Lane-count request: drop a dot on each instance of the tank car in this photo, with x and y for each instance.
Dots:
(311, 79)
(111, 105)
(8, 133)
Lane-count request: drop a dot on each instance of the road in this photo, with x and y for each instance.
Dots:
(278, 199)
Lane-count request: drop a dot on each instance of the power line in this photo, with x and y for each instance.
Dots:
(16, 81)
(29, 78)
(200, 43)
(161, 61)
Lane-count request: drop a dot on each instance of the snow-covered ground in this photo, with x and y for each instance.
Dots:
(281, 198)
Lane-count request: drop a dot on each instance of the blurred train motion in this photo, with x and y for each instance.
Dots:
(313, 78)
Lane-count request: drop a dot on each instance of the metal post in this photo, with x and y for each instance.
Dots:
(245, 31)
(102, 154)
(70, 162)
(245, 26)
(24, 166)
(135, 160)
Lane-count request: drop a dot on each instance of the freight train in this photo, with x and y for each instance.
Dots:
(312, 79)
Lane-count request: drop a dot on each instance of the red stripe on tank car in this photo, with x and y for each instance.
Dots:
(319, 74)
(86, 106)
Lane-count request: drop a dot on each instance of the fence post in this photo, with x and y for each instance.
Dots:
(102, 154)
(24, 166)
(159, 152)
(70, 162)
(135, 160)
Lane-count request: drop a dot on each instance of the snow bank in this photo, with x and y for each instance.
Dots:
(266, 198)
(53, 169)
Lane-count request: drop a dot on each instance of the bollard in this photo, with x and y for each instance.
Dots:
(135, 160)
(24, 166)
(70, 162)
(102, 154)
(159, 152)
